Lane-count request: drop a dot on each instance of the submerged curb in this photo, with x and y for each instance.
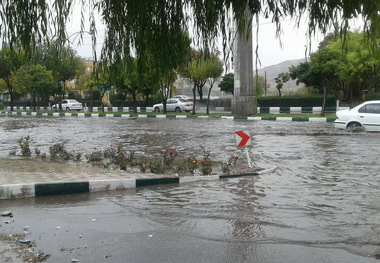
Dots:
(133, 116)
(65, 188)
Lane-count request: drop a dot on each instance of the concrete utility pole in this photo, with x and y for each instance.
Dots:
(244, 101)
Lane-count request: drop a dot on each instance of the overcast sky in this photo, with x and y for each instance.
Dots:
(271, 52)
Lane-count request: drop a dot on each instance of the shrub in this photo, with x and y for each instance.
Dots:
(96, 156)
(205, 164)
(296, 101)
(58, 152)
(227, 167)
(191, 164)
(24, 145)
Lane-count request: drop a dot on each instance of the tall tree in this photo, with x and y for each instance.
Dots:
(259, 82)
(65, 64)
(10, 61)
(280, 80)
(343, 67)
(133, 27)
(215, 70)
(197, 72)
(126, 80)
(36, 80)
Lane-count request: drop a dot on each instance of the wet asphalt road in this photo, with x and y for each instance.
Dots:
(320, 205)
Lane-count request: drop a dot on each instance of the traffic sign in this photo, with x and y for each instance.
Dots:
(104, 88)
(243, 138)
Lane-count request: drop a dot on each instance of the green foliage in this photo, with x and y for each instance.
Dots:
(58, 152)
(200, 68)
(96, 94)
(163, 163)
(153, 30)
(125, 77)
(206, 163)
(191, 164)
(259, 85)
(25, 147)
(95, 156)
(3, 85)
(10, 61)
(281, 79)
(61, 60)
(299, 101)
(228, 167)
(373, 96)
(227, 83)
(35, 79)
(343, 67)
(119, 157)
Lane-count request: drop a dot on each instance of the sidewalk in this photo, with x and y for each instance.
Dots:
(29, 178)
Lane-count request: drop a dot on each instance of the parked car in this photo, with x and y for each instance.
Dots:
(69, 104)
(181, 97)
(365, 115)
(176, 105)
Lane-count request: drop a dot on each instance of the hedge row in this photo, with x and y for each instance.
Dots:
(291, 101)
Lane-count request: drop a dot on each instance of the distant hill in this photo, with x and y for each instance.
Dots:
(273, 71)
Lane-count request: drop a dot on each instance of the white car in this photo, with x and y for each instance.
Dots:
(176, 105)
(181, 97)
(69, 104)
(365, 115)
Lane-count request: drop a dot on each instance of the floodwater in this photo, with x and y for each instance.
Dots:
(321, 204)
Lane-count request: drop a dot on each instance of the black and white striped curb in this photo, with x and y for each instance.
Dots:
(261, 110)
(121, 115)
(64, 188)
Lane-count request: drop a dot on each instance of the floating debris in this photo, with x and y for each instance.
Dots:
(23, 241)
(6, 213)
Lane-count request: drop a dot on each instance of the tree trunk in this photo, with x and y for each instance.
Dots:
(10, 91)
(208, 99)
(101, 99)
(146, 99)
(134, 102)
(200, 91)
(164, 105)
(12, 99)
(194, 89)
(92, 99)
(324, 101)
(34, 101)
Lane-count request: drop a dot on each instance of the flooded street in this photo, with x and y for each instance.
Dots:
(321, 204)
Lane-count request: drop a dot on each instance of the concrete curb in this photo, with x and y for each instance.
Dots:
(64, 188)
(134, 116)
(271, 110)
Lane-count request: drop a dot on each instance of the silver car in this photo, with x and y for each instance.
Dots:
(176, 105)
(69, 104)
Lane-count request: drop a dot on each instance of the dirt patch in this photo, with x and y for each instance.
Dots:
(14, 249)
